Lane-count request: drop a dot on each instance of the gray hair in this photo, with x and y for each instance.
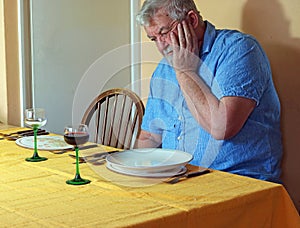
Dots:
(176, 9)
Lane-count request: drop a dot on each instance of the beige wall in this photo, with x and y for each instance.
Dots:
(3, 91)
(9, 63)
(275, 23)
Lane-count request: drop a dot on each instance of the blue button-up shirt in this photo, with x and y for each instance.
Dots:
(233, 64)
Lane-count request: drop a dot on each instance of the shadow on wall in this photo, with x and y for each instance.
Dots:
(267, 22)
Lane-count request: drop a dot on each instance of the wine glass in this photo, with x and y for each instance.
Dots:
(35, 118)
(76, 135)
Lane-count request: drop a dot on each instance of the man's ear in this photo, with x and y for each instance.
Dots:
(193, 18)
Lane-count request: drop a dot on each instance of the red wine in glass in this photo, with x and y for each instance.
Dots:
(76, 138)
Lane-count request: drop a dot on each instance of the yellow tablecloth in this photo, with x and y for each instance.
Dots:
(36, 195)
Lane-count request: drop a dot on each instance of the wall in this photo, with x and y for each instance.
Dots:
(3, 95)
(275, 23)
(9, 63)
(68, 36)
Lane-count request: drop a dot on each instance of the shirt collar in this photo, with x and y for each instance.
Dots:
(209, 38)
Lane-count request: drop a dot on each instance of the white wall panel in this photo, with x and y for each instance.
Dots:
(68, 36)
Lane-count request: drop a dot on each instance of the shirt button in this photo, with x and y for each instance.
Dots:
(179, 118)
(179, 138)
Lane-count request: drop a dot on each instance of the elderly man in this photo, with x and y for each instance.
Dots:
(212, 94)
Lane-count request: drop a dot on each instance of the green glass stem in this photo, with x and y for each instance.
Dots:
(35, 130)
(77, 179)
(77, 162)
(35, 157)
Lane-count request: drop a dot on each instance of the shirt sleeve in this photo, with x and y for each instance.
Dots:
(243, 70)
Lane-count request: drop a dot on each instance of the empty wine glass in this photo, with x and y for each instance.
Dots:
(76, 135)
(35, 118)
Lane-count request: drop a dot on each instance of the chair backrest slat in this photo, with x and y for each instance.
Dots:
(104, 121)
(120, 130)
(98, 116)
(110, 140)
(127, 122)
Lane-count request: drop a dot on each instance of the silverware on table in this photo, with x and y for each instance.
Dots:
(92, 160)
(72, 149)
(97, 157)
(16, 132)
(187, 175)
(25, 134)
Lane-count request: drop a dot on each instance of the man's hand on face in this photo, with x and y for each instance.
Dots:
(185, 56)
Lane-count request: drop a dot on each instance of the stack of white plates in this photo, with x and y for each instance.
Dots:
(149, 162)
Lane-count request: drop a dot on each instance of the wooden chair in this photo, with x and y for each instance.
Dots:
(114, 118)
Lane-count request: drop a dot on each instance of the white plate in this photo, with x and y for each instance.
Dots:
(149, 160)
(170, 173)
(44, 142)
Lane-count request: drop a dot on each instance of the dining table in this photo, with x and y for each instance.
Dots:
(35, 194)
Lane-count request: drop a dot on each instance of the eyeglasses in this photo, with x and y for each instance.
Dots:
(164, 31)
